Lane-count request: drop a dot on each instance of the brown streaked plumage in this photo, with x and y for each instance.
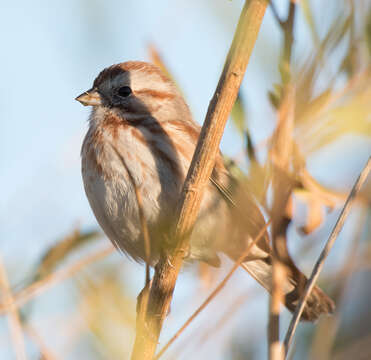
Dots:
(140, 118)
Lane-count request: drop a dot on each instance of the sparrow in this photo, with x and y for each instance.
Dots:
(142, 136)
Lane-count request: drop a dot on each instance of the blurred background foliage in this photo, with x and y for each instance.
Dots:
(307, 89)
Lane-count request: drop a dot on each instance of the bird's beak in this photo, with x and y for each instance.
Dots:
(90, 97)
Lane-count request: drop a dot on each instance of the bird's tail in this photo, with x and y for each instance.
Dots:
(318, 302)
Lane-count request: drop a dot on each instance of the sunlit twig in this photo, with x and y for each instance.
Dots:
(15, 324)
(326, 250)
(324, 337)
(38, 287)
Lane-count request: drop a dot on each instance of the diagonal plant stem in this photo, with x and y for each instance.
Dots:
(325, 252)
(15, 324)
(198, 176)
(325, 335)
(36, 288)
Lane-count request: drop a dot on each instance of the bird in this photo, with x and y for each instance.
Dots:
(141, 137)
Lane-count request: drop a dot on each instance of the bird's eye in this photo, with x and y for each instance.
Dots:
(124, 91)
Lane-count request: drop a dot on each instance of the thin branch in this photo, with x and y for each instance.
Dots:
(325, 252)
(198, 176)
(15, 324)
(215, 291)
(288, 28)
(275, 13)
(42, 285)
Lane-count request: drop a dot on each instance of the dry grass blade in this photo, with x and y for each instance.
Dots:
(35, 289)
(15, 324)
(62, 248)
(215, 291)
(320, 262)
(308, 15)
(325, 334)
(56, 254)
(198, 176)
(158, 61)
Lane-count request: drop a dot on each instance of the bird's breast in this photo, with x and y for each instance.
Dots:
(111, 192)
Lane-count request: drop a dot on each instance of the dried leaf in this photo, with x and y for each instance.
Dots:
(238, 115)
(275, 95)
(61, 250)
(250, 150)
(258, 181)
(308, 16)
(156, 58)
(315, 215)
(316, 197)
(309, 73)
(282, 140)
(314, 107)
(351, 117)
